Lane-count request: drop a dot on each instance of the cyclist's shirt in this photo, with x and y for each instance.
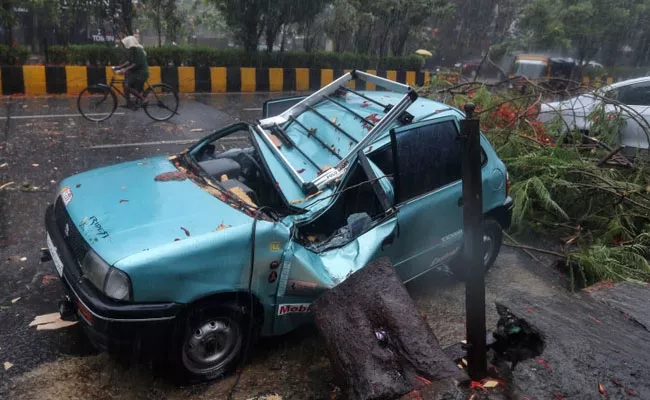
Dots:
(138, 57)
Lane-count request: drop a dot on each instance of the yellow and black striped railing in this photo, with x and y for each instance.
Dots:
(37, 80)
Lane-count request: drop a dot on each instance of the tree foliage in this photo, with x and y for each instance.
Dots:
(600, 215)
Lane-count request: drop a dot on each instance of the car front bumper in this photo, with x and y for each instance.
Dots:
(111, 325)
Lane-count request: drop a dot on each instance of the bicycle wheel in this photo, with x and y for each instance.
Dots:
(163, 102)
(97, 103)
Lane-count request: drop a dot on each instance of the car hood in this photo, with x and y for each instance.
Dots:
(122, 210)
(581, 105)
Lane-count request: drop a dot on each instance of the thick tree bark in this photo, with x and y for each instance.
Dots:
(376, 339)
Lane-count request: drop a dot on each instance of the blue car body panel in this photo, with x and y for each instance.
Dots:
(180, 243)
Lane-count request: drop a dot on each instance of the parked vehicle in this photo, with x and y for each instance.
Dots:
(556, 73)
(630, 99)
(199, 253)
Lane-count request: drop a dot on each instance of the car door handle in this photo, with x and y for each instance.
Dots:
(460, 201)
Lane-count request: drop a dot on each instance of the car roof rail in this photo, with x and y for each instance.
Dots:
(266, 127)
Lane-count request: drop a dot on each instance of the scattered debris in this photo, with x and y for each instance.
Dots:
(143, 163)
(544, 363)
(196, 130)
(4, 165)
(123, 201)
(334, 119)
(298, 201)
(222, 226)
(48, 279)
(490, 383)
(35, 165)
(269, 396)
(55, 325)
(275, 140)
(594, 318)
(171, 176)
(7, 365)
(477, 385)
(123, 188)
(45, 319)
(6, 185)
(13, 301)
(187, 233)
(601, 389)
(239, 192)
(300, 171)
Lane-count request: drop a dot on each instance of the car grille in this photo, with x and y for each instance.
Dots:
(75, 242)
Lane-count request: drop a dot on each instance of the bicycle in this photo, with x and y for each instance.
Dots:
(98, 102)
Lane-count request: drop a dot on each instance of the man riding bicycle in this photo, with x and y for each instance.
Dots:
(136, 70)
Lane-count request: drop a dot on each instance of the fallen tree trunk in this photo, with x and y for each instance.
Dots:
(376, 339)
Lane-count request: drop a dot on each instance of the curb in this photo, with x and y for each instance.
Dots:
(37, 80)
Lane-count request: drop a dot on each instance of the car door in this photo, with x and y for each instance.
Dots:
(308, 270)
(636, 98)
(428, 194)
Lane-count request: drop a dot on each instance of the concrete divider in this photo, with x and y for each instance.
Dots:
(37, 80)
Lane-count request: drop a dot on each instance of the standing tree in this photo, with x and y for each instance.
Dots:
(581, 25)
(246, 18)
(162, 14)
(9, 17)
(341, 24)
(411, 16)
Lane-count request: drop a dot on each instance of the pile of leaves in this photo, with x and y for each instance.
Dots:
(600, 214)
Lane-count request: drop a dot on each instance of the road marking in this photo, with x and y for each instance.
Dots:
(161, 142)
(55, 116)
(253, 109)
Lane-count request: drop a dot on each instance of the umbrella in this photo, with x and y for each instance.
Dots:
(423, 52)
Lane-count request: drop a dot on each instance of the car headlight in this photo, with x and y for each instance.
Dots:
(94, 269)
(117, 285)
(113, 282)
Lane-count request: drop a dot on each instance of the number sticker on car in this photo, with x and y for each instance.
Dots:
(66, 195)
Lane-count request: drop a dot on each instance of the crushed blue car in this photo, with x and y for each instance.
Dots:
(200, 253)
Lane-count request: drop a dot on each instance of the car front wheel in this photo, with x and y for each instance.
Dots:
(211, 342)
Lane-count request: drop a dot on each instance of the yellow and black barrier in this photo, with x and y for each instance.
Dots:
(598, 81)
(37, 80)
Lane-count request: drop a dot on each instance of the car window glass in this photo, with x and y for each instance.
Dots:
(430, 158)
(637, 94)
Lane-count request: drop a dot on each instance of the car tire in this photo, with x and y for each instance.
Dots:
(210, 342)
(492, 237)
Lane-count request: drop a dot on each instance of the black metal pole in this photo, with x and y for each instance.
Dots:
(473, 247)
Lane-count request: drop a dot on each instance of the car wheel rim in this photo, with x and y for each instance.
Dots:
(211, 345)
(488, 245)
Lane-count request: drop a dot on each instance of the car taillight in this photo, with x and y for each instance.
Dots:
(507, 183)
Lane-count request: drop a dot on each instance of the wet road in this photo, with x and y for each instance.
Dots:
(42, 142)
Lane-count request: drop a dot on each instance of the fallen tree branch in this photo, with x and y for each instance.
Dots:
(523, 246)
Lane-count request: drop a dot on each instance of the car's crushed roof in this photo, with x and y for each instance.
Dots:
(327, 132)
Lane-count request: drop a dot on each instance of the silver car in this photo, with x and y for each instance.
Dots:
(630, 98)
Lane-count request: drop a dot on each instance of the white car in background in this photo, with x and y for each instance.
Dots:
(632, 98)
